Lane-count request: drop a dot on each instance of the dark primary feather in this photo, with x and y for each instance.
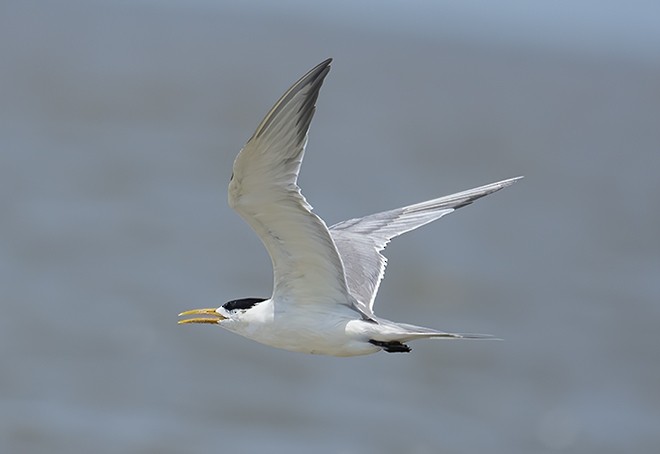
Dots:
(312, 82)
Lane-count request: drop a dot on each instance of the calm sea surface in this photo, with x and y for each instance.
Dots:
(119, 123)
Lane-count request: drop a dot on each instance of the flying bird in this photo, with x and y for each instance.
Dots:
(325, 278)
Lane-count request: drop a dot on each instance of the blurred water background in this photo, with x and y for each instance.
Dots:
(119, 122)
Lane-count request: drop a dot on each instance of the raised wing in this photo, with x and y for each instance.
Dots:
(360, 241)
(264, 190)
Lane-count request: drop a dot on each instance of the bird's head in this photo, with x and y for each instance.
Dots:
(228, 312)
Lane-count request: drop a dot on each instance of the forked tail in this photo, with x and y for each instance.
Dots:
(396, 343)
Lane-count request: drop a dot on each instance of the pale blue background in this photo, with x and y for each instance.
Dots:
(119, 122)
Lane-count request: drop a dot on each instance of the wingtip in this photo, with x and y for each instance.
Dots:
(475, 336)
(311, 83)
(510, 181)
(321, 68)
(504, 183)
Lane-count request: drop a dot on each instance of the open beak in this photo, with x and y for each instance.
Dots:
(211, 316)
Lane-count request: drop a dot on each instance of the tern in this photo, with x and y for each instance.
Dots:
(325, 279)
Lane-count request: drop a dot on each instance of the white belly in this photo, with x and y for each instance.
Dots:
(317, 331)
